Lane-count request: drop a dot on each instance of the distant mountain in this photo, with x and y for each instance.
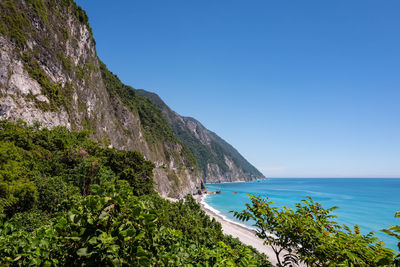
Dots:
(217, 160)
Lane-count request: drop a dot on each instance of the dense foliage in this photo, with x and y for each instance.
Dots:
(64, 200)
(395, 232)
(13, 23)
(310, 235)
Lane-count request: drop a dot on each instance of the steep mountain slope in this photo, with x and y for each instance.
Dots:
(50, 73)
(217, 160)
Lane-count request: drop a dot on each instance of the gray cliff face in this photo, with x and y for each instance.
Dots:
(20, 92)
(52, 75)
(217, 160)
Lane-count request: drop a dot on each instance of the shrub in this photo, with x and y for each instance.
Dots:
(311, 235)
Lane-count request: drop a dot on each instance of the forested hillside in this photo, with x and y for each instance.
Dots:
(64, 200)
(217, 160)
(84, 158)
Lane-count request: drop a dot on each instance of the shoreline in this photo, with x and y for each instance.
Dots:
(245, 234)
(237, 230)
(216, 212)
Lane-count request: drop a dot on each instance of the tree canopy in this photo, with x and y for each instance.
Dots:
(65, 200)
(310, 234)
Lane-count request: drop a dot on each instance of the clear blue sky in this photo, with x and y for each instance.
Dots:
(300, 88)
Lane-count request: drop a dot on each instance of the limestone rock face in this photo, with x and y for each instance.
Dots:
(50, 73)
(20, 91)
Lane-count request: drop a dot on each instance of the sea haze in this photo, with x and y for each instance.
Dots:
(369, 202)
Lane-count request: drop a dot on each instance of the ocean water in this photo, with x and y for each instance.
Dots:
(370, 203)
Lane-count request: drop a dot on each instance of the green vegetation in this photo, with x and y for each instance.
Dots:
(40, 9)
(53, 91)
(82, 72)
(64, 200)
(13, 23)
(66, 63)
(152, 120)
(203, 154)
(395, 232)
(213, 153)
(311, 235)
(235, 156)
(83, 18)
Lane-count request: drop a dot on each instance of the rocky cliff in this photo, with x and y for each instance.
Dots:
(50, 73)
(218, 161)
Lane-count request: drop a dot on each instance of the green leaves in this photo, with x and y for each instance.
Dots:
(83, 252)
(50, 169)
(102, 229)
(73, 203)
(311, 235)
(395, 232)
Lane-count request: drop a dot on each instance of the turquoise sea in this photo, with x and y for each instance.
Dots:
(370, 203)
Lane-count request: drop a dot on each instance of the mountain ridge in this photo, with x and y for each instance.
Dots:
(50, 73)
(218, 160)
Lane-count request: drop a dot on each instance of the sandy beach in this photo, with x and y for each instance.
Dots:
(244, 234)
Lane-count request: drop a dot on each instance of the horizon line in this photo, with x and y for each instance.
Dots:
(333, 177)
